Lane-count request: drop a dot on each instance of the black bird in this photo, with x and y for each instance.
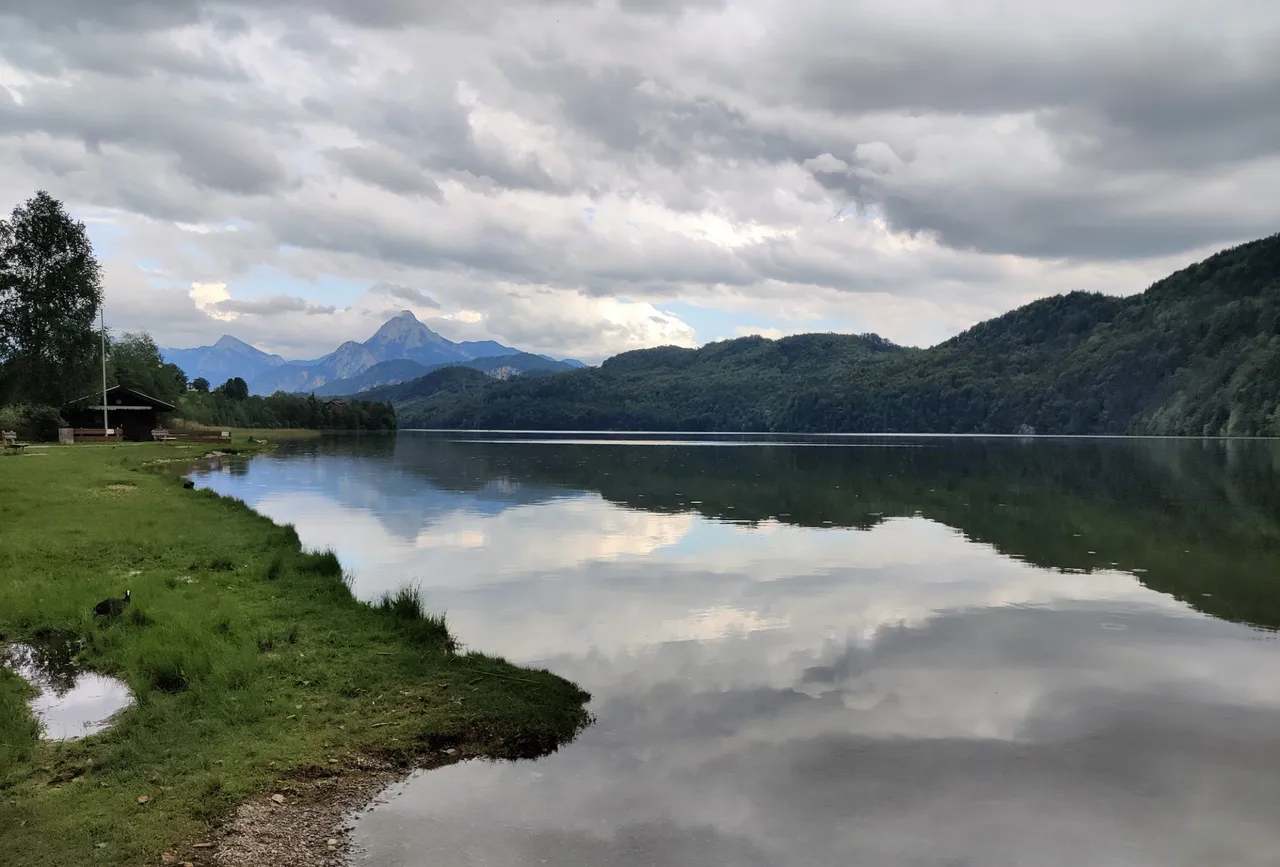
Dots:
(112, 607)
(188, 484)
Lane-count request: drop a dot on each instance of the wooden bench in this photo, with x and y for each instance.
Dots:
(95, 434)
(204, 436)
(11, 441)
(161, 435)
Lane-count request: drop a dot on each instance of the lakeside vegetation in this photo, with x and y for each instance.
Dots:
(249, 659)
(282, 410)
(1197, 353)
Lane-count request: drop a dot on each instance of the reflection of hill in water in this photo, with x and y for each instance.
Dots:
(1199, 520)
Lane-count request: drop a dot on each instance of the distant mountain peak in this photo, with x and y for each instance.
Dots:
(401, 335)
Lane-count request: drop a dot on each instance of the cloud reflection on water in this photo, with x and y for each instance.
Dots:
(781, 694)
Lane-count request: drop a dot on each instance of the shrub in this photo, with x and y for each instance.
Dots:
(32, 421)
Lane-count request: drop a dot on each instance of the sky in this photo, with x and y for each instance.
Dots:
(584, 177)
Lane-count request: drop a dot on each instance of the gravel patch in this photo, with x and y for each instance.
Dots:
(303, 821)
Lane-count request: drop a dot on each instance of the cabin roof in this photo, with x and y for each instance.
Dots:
(122, 397)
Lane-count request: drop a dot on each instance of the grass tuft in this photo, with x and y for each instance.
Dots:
(323, 563)
(276, 569)
(406, 606)
(167, 675)
(138, 618)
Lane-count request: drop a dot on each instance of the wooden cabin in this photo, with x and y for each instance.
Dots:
(129, 411)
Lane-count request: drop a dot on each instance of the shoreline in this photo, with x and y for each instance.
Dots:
(324, 700)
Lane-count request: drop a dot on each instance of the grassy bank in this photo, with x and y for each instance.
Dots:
(249, 659)
(248, 436)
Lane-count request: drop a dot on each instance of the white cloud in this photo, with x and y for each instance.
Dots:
(207, 296)
(748, 330)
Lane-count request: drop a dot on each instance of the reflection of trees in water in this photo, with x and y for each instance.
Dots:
(1198, 519)
(47, 662)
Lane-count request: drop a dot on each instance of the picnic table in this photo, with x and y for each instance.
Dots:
(11, 441)
(161, 435)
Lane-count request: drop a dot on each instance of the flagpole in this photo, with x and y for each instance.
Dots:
(103, 319)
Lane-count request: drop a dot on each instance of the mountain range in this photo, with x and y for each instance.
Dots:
(1196, 354)
(402, 349)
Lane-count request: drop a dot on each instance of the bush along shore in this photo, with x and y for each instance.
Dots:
(266, 701)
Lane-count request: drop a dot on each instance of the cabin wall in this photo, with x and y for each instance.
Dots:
(135, 425)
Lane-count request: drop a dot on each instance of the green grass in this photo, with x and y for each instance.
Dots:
(240, 435)
(249, 659)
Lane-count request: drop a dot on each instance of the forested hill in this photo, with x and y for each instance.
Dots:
(1197, 353)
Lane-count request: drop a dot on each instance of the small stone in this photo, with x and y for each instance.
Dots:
(332, 841)
(450, 752)
(142, 799)
(278, 798)
(168, 858)
(99, 845)
(203, 846)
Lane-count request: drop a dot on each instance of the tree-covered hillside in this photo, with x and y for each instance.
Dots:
(1198, 353)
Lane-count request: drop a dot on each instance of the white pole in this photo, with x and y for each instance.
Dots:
(103, 319)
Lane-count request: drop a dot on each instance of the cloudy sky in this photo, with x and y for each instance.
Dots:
(580, 177)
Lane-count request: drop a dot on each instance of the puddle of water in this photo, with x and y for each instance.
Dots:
(72, 703)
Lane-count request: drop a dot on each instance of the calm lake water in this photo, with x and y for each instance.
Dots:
(898, 652)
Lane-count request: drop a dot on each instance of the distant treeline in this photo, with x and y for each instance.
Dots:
(1198, 353)
(282, 410)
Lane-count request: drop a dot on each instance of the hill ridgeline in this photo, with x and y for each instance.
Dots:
(1197, 353)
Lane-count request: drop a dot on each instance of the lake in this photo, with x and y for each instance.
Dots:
(891, 651)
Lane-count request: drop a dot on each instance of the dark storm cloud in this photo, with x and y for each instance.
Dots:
(629, 108)
(405, 293)
(387, 169)
(274, 305)
(424, 122)
(196, 132)
(312, 43)
(1115, 108)
(668, 7)
(1086, 221)
(496, 248)
(58, 165)
(113, 53)
(144, 15)
(130, 15)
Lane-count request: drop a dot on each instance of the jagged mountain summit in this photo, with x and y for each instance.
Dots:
(403, 338)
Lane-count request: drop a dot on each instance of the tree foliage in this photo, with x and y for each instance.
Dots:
(283, 410)
(50, 294)
(234, 388)
(134, 361)
(1197, 354)
(200, 384)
